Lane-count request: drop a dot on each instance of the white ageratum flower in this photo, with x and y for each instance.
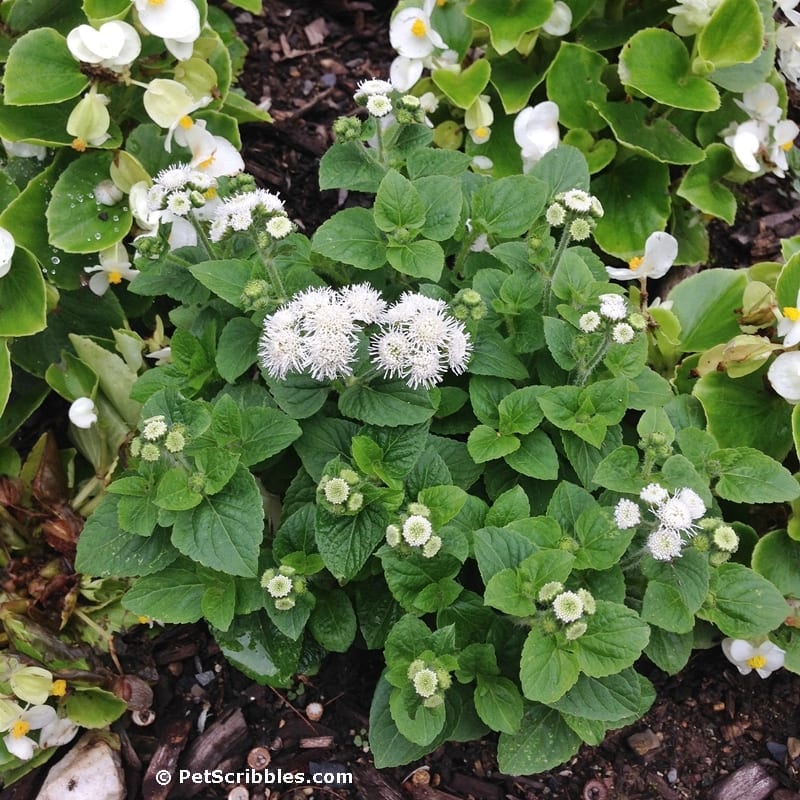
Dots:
(89, 121)
(113, 267)
(7, 247)
(664, 544)
(784, 375)
(114, 45)
(560, 20)
(660, 252)
(568, 607)
(627, 514)
(425, 682)
(789, 323)
(279, 586)
(370, 87)
(764, 658)
(417, 530)
(19, 722)
(177, 22)
(654, 494)
(613, 306)
(169, 104)
(212, 155)
(589, 322)
(692, 16)
(83, 413)
(536, 132)
(411, 33)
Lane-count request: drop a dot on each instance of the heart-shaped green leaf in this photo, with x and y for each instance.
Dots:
(465, 87)
(509, 20)
(733, 35)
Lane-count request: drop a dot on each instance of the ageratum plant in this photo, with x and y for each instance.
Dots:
(439, 429)
(674, 103)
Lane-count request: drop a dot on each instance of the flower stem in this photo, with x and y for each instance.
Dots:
(272, 270)
(202, 238)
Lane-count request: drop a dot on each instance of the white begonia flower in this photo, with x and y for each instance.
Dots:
(411, 33)
(747, 140)
(169, 104)
(764, 658)
(761, 103)
(19, 722)
(789, 323)
(783, 135)
(113, 267)
(787, 38)
(560, 20)
(177, 22)
(478, 119)
(692, 16)
(212, 155)
(660, 252)
(405, 72)
(114, 45)
(83, 413)
(7, 247)
(89, 120)
(536, 132)
(784, 375)
(24, 150)
(60, 731)
(788, 8)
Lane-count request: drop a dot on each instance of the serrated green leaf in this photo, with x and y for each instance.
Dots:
(614, 639)
(333, 621)
(498, 703)
(345, 543)
(174, 594)
(547, 672)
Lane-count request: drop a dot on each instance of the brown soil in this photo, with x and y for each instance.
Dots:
(707, 723)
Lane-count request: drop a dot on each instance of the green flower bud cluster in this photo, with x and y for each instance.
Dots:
(283, 586)
(656, 446)
(151, 247)
(408, 110)
(340, 493)
(430, 680)
(468, 304)
(156, 438)
(243, 182)
(567, 607)
(347, 129)
(721, 539)
(255, 295)
(413, 532)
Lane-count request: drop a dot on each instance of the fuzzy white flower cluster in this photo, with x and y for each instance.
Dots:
(373, 95)
(283, 586)
(577, 210)
(760, 144)
(430, 681)
(613, 318)
(676, 517)
(318, 332)
(240, 211)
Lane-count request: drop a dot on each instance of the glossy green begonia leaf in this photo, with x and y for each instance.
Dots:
(733, 35)
(509, 20)
(42, 53)
(656, 62)
(701, 184)
(573, 82)
(22, 296)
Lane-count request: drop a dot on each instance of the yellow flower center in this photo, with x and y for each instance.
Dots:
(143, 620)
(114, 277)
(787, 145)
(210, 193)
(419, 28)
(482, 132)
(20, 728)
(635, 262)
(791, 313)
(78, 144)
(156, 2)
(206, 162)
(441, 3)
(756, 661)
(185, 122)
(59, 688)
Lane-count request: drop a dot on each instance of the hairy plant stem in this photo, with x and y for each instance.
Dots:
(202, 238)
(585, 372)
(272, 271)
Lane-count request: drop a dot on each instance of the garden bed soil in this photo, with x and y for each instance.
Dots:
(711, 732)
